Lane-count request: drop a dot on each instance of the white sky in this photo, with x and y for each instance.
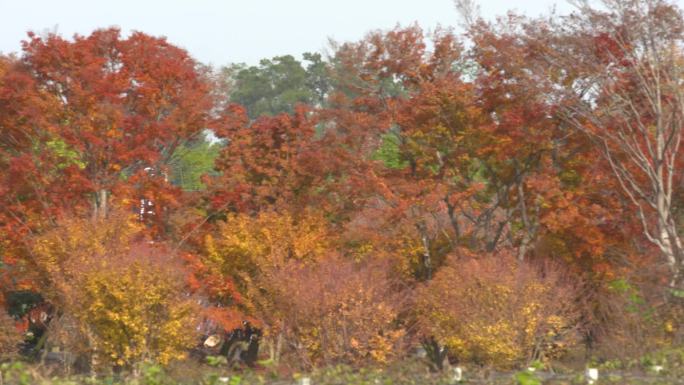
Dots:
(231, 31)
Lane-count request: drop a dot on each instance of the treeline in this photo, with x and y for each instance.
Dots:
(515, 198)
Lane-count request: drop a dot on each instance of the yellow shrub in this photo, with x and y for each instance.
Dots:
(245, 249)
(327, 309)
(497, 311)
(135, 312)
(119, 296)
(266, 240)
(60, 255)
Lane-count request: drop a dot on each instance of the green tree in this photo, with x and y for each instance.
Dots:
(277, 85)
(192, 160)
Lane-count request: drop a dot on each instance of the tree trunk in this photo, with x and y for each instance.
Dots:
(529, 229)
(100, 207)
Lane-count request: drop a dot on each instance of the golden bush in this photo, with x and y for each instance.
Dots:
(123, 296)
(266, 240)
(237, 261)
(245, 249)
(495, 310)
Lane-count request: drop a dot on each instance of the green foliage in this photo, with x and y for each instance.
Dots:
(537, 365)
(409, 372)
(635, 300)
(527, 377)
(216, 360)
(389, 151)
(277, 85)
(68, 155)
(16, 373)
(154, 375)
(21, 301)
(318, 79)
(191, 161)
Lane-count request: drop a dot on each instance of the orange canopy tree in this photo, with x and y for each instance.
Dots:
(88, 119)
(97, 110)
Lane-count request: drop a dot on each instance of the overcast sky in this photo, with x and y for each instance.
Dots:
(232, 31)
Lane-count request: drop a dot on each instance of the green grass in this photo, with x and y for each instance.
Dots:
(407, 372)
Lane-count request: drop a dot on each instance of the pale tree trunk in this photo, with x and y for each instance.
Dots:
(100, 204)
(279, 346)
(529, 229)
(630, 102)
(427, 255)
(275, 346)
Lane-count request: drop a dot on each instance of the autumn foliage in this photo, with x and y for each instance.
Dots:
(121, 298)
(513, 193)
(10, 337)
(497, 311)
(136, 312)
(318, 307)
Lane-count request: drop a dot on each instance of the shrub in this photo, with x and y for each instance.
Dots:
(630, 317)
(337, 311)
(134, 310)
(118, 295)
(10, 337)
(236, 265)
(244, 248)
(494, 310)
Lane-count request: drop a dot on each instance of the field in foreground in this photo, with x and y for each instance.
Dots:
(412, 372)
